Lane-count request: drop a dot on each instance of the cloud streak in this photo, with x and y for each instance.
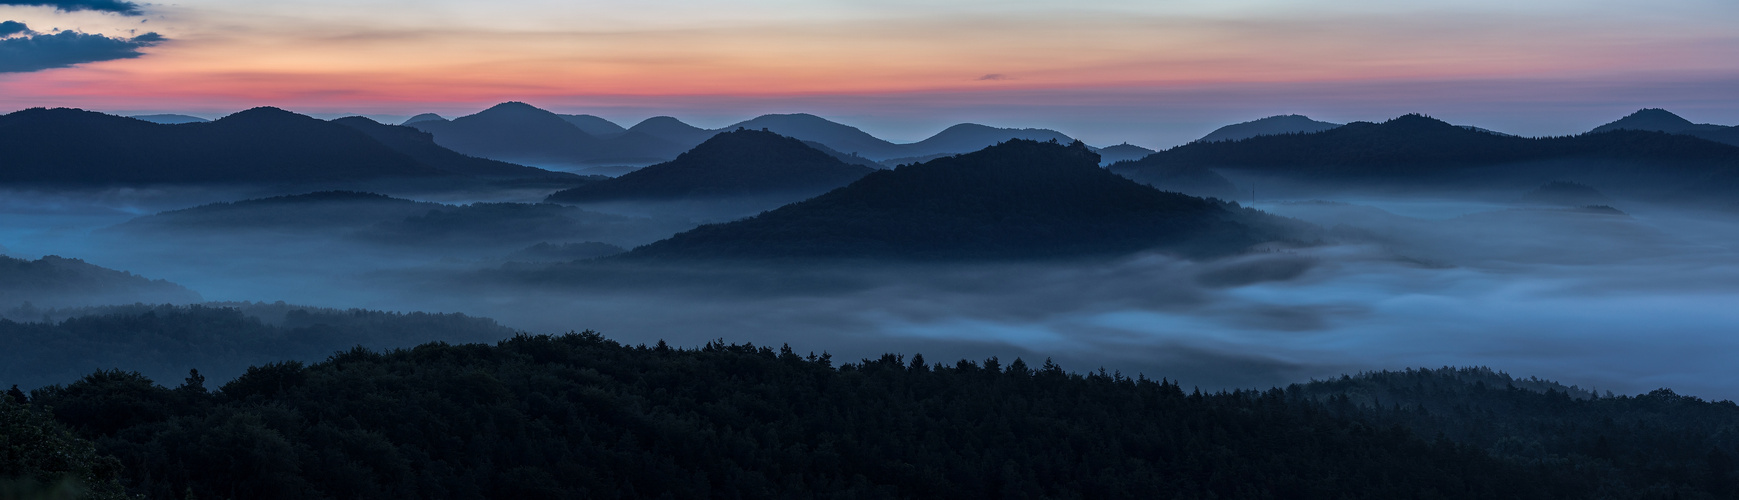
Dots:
(40, 51)
(115, 6)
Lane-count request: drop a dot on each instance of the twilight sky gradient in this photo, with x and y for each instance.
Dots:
(1150, 72)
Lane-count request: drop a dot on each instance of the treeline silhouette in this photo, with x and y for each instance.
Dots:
(582, 416)
(44, 346)
(1425, 143)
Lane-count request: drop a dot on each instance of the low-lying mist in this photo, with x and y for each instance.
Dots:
(1626, 302)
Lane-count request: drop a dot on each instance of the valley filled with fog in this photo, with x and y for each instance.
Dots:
(1624, 301)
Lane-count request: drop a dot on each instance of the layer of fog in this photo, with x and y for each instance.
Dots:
(1621, 302)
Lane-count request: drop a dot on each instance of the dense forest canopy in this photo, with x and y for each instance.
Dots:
(579, 415)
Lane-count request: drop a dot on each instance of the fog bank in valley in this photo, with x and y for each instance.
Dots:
(1627, 301)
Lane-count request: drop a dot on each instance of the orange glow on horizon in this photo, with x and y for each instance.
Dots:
(265, 64)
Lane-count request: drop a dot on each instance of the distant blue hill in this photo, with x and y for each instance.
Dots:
(1273, 125)
(169, 119)
(807, 127)
(1660, 120)
(598, 127)
(55, 281)
(425, 117)
(1122, 152)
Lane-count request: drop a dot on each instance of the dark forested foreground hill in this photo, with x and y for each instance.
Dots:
(580, 416)
(263, 145)
(1019, 199)
(55, 281)
(1654, 444)
(1418, 153)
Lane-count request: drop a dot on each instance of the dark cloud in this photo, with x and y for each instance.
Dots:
(9, 28)
(989, 77)
(116, 6)
(67, 48)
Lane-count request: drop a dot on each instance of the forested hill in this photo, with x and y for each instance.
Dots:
(1418, 150)
(1019, 199)
(1660, 120)
(1273, 125)
(730, 164)
(513, 131)
(581, 416)
(76, 147)
(55, 281)
(317, 210)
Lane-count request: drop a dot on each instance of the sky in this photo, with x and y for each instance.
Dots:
(1154, 73)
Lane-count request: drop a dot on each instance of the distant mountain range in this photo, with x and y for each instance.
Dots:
(55, 281)
(1017, 200)
(261, 145)
(521, 133)
(1273, 125)
(1417, 152)
(743, 163)
(1660, 120)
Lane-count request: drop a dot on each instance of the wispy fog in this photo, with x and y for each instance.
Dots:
(1626, 301)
